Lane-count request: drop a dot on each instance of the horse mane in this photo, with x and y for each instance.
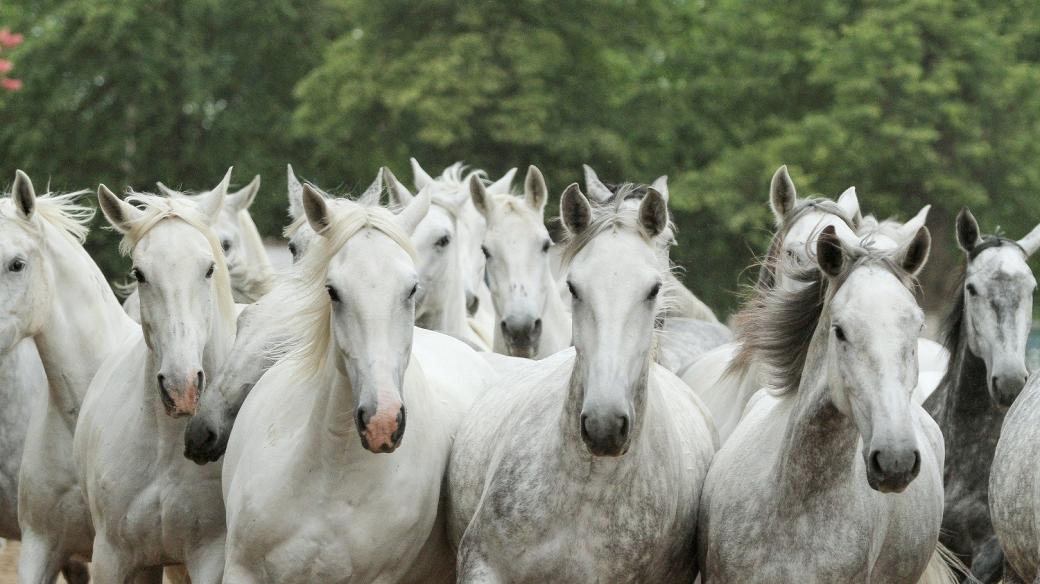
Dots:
(308, 323)
(777, 326)
(59, 210)
(155, 209)
(767, 267)
(612, 216)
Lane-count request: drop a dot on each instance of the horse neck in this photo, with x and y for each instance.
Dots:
(964, 411)
(556, 320)
(819, 444)
(86, 322)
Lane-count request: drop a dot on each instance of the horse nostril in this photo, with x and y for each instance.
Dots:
(363, 417)
(584, 430)
(917, 462)
(162, 381)
(537, 326)
(875, 461)
(200, 381)
(623, 430)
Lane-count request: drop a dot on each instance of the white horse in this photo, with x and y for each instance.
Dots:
(470, 234)
(836, 477)
(309, 496)
(57, 296)
(251, 272)
(150, 506)
(587, 465)
(683, 303)
(532, 319)
(441, 245)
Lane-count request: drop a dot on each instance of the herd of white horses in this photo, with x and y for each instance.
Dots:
(437, 391)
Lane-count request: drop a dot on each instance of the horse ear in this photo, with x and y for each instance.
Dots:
(502, 185)
(316, 208)
(781, 194)
(829, 254)
(661, 186)
(243, 198)
(23, 194)
(410, 217)
(373, 193)
(653, 213)
(480, 196)
(295, 193)
(575, 210)
(910, 228)
(915, 256)
(1031, 242)
(421, 178)
(212, 202)
(167, 191)
(849, 203)
(400, 196)
(535, 191)
(967, 230)
(120, 214)
(597, 190)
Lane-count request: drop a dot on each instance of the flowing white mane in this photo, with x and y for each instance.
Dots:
(450, 190)
(155, 209)
(62, 211)
(307, 305)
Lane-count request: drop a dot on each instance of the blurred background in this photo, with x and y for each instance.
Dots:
(911, 101)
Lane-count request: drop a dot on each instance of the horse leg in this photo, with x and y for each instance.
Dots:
(177, 574)
(153, 575)
(75, 572)
(474, 569)
(110, 567)
(206, 563)
(39, 560)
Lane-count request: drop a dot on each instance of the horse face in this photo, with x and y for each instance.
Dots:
(373, 284)
(998, 310)
(615, 286)
(174, 266)
(437, 243)
(24, 279)
(871, 360)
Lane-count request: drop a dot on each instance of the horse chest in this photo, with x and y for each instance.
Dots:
(536, 526)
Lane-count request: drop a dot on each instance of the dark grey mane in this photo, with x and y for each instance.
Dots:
(776, 326)
(767, 268)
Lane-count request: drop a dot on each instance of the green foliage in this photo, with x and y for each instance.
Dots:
(914, 102)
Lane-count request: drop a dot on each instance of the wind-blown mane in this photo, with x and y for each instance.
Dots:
(155, 209)
(450, 190)
(767, 268)
(612, 216)
(776, 326)
(308, 325)
(61, 211)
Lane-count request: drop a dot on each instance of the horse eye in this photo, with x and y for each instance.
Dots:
(225, 244)
(411, 294)
(839, 333)
(333, 295)
(573, 291)
(971, 290)
(654, 291)
(546, 245)
(138, 275)
(487, 254)
(444, 241)
(16, 265)
(209, 272)
(292, 250)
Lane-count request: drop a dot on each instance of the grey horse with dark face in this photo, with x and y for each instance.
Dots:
(986, 334)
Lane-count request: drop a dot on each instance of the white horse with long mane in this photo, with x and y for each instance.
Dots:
(322, 481)
(838, 477)
(587, 465)
(56, 296)
(151, 507)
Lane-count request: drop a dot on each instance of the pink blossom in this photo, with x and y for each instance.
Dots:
(9, 40)
(5, 65)
(11, 84)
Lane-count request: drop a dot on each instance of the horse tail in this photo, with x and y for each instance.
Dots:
(944, 568)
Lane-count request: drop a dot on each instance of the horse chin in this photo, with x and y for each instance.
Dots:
(522, 351)
(890, 484)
